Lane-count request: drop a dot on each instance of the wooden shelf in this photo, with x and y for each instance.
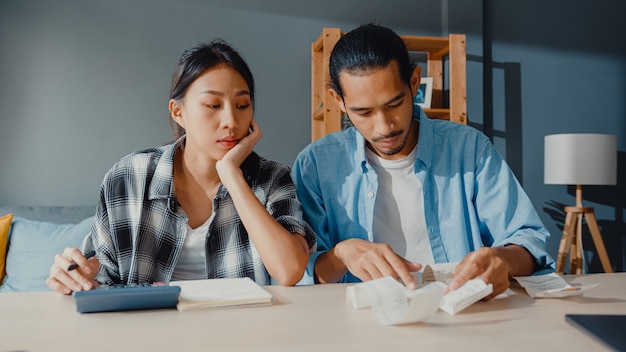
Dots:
(326, 116)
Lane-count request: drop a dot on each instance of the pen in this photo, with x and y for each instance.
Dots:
(87, 256)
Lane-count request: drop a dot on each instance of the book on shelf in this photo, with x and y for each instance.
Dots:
(221, 293)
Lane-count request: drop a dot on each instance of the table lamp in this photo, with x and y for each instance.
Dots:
(580, 159)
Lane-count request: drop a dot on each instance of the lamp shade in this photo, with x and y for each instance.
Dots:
(580, 159)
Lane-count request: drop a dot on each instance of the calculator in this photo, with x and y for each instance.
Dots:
(126, 297)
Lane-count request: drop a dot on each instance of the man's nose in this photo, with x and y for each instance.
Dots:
(384, 123)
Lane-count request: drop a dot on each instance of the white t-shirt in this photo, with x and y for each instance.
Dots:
(191, 264)
(399, 208)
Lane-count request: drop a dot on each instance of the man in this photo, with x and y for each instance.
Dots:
(400, 191)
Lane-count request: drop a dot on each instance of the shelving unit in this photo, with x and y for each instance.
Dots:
(326, 116)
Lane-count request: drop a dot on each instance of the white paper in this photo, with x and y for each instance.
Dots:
(442, 272)
(550, 286)
(393, 303)
(209, 293)
(473, 291)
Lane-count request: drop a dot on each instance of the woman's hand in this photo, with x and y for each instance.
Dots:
(65, 281)
(237, 154)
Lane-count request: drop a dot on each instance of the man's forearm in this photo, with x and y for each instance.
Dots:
(518, 260)
(329, 268)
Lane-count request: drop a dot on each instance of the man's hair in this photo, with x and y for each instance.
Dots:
(365, 48)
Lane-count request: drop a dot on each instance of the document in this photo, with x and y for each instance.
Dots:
(213, 293)
(455, 301)
(442, 272)
(393, 303)
(550, 286)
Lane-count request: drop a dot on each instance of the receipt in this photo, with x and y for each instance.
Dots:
(550, 286)
(393, 303)
(466, 295)
(443, 272)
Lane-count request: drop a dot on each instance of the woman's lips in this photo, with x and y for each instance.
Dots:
(228, 142)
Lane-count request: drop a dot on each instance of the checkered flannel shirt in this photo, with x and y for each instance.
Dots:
(138, 235)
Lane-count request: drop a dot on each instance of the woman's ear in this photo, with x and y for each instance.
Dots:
(176, 112)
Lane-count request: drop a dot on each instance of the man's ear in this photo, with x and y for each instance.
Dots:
(338, 99)
(176, 113)
(416, 78)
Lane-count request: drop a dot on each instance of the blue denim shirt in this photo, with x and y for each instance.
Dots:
(471, 197)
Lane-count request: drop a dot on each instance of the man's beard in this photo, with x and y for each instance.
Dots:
(395, 150)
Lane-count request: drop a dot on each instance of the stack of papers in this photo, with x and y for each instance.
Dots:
(393, 303)
(214, 293)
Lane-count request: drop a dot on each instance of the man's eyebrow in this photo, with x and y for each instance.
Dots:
(391, 101)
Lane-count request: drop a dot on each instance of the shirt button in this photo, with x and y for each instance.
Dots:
(370, 194)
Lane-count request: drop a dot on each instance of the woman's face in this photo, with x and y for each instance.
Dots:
(215, 112)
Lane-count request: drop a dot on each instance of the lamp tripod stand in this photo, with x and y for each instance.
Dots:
(572, 237)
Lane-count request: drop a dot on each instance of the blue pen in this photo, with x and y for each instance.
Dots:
(87, 255)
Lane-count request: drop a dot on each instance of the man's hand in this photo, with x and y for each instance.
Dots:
(368, 261)
(486, 265)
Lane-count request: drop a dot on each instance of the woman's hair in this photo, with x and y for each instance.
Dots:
(193, 62)
(366, 48)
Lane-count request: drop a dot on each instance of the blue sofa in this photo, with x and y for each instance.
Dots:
(36, 234)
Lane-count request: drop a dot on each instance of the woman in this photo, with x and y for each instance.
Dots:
(205, 206)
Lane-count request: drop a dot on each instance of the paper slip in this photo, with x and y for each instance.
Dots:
(393, 303)
(473, 291)
(550, 286)
(442, 272)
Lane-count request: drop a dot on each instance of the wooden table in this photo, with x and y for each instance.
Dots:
(309, 318)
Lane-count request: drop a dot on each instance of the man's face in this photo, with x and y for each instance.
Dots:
(380, 106)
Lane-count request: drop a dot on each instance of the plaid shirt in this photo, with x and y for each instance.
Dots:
(138, 235)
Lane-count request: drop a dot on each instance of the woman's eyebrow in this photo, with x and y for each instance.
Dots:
(221, 94)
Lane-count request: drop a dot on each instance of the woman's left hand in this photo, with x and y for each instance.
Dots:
(237, 154)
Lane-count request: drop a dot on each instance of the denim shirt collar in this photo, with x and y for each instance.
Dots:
(425, 141)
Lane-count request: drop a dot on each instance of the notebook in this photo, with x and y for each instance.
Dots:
(226, 292)
(608, 329)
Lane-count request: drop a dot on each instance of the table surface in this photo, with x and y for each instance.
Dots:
(309, 318)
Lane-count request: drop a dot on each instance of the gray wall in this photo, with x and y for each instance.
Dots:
(83, 83)
(546, 67)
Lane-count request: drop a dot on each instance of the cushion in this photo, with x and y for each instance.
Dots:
(32, 247)
(5, 225)
(62, 214)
